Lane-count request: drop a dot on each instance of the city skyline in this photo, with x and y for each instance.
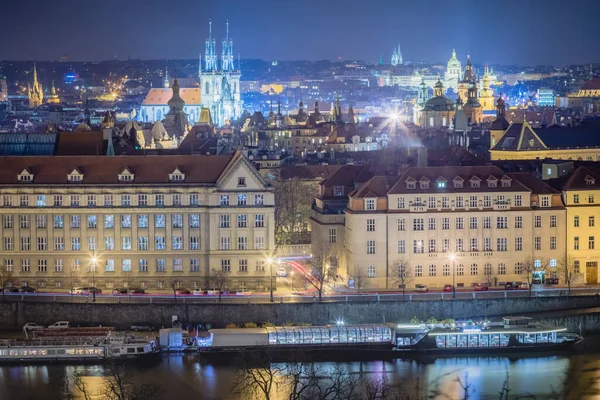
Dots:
(514, 33)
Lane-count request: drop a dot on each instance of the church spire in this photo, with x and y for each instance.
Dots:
(210, 54)
(166, 83)
(227, 58)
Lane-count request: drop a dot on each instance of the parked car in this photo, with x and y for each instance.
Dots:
(120, 291)
(212, 292)
(182, 291)
(77, 290)
(28, 289)
(536, 281)
(422, 288)
(137, 291)
(281, 271)
(447, 288)
(243, 292)
(142, 326)
(523, 285)
(30, 326)
(11, 289)
(199, 292)
(59, 325)
(551, 281)
(482, 287)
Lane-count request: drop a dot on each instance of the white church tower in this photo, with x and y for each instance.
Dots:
(220, 84)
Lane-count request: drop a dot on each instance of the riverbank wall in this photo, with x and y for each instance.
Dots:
(16, 314)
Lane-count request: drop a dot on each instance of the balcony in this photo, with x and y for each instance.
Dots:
(501, 205)
(417, 206)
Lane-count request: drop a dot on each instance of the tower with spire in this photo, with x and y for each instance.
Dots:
(453, 72)
(467, 78)
(166, 83)
(35, 91)
(53, 99)
(397, 56)
(486, 94)
(220, 82)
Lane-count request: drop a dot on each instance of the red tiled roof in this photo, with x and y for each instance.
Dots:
(160, 97)
(105, 169)
(592, 84)
(377, 186)
(577, 178)
(308, 171)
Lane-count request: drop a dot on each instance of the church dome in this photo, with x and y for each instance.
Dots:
(439, 103)
(83, 127)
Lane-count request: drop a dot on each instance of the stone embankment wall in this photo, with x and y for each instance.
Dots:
(14, 315)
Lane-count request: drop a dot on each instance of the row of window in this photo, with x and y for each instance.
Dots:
(126, 200)
(473, 245)
(143, 265)
(591, 243)
(488, 269)
(143, 221)
(576, 199)
(418, 224)
(143, 243)
(591, 221)
(458, 202)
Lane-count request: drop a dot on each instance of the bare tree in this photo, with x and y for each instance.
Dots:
(294, 200)
(6, 278)
(320, 263)
(174, 284)
(530, 268)
(488, 273)
(74, 277)
(129, 282)
(566, 271)
(402, 274)
(219, 280)
(360, 277)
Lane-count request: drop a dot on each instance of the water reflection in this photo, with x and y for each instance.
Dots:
(191, 377)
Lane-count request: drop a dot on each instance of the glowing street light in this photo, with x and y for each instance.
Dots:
(270, 262)
(452, 258)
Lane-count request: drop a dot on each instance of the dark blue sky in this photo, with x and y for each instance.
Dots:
(506, 32)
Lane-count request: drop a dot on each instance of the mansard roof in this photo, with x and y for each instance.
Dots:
(101, 170)
(452, 174)
(520, 137)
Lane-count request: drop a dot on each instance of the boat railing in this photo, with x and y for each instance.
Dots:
(77, 341)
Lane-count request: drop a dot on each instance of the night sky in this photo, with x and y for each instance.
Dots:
(527, 32)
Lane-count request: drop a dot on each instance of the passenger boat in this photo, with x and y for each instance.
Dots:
(513, 333)
(75, 349)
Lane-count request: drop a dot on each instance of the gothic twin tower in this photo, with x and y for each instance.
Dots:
(220, 83)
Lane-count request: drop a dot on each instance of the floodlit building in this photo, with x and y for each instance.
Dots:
(150, 221)
(477, 224)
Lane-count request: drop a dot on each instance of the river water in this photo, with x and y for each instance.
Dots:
(190, 377)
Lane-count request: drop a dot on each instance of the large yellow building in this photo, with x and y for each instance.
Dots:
(151, 221)
(581, 193)
(490, 221)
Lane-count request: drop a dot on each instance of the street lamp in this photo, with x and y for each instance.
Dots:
(453, 259)
(270, 262)
(94, 263)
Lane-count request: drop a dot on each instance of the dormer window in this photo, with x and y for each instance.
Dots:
(424, 183)
(177, 176)
(25, 176)
(545, 201)
(506, 182)
(370, 204)
(492, 182)
(75, 176)
(411, 183)
(126, 176)
(441, 183)
(475, 182)
(458, 182)
(338, 191)
(590, 180)
(241, 181)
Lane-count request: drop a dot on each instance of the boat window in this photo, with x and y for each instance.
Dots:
(60, 351)
(140, 349)
(51, 352)
(131, 350)
(484, 340)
